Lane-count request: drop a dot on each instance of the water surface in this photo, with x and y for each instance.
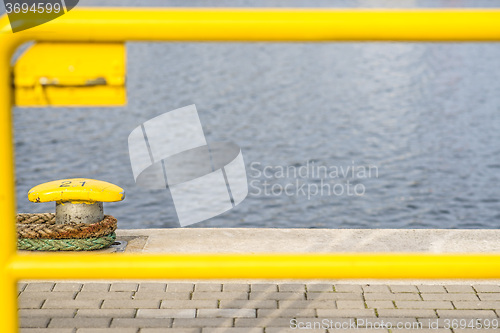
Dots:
(426, 115)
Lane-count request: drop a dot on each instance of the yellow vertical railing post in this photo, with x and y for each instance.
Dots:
(8, 288)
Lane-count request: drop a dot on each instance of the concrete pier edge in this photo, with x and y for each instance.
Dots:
(269, 240)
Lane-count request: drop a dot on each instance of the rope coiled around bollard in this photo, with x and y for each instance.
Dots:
(70, 244)
(38, 232)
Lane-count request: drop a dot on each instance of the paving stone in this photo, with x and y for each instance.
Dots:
(262, 322)
(166, 313)
(152, 287)
(123, 287)
(242, 287)
(355, 313)
(348, 288)
(309, 304)
(104, 295)
(365, 330)
(449, 297)
(219, 295)
(487, 288)
(159, 295)
(431, 289)
(291, 330)
(247, 304)
(226, 313)
(208, 287)
(30, 303)
(80, 322)
(447, 321)
(170, 330)
(319, 287)
(469, 330)
(130, 304)
(61, 286)
(191, 304)
(232, 330)
(103, 287)
(203, 322)
(476, 305)
(142, 322)
(277, 295)
(403, 288)
(394, 313)
(286, 313)
(292, 287)
(267, 287)
(33, 322)
(21, 286)
(392, 297)
(48, 295)
(459, 289)
(72, 304)
(376, 288)
(40, 286)
(107, 330)
(489, 296)
(106, 313)
(345, 304)
(336, 324)
(380, 304)
(180, 287)
(443, 314)
(334, 296)
(424, 305)
(438, 330)
(47, 330)
(388, 322)
(49, 313)
(270, 307)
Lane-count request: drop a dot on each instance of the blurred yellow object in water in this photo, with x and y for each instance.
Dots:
(71, 74)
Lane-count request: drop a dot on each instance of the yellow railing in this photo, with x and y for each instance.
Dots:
(120, 25)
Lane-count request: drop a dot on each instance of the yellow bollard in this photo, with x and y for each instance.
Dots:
(77, 200)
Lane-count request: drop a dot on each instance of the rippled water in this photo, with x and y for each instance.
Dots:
(425, 115)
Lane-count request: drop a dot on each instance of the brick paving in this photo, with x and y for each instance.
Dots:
(261, 308)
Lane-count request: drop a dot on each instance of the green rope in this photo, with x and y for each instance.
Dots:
(67, 244)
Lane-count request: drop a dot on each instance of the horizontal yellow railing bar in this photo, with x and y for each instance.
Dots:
(258, 266)
(242, 24)
(246, 25)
